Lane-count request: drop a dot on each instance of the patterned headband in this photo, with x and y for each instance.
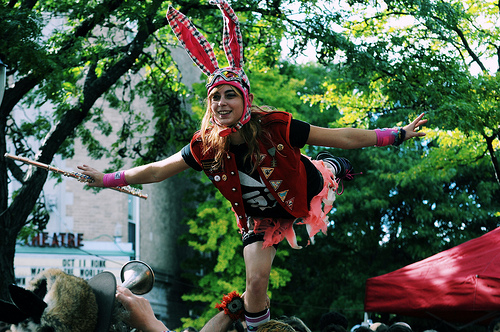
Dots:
(202, 54)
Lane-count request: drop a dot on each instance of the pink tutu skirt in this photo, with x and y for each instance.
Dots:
(275, 230)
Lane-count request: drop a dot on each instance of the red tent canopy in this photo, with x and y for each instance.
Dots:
(461, 284)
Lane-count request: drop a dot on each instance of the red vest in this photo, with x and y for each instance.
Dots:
(280, 168)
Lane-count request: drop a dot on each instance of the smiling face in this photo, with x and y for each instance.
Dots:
(226, 104)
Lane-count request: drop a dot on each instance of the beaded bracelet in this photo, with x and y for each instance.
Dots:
(232, 304)
(400, 137)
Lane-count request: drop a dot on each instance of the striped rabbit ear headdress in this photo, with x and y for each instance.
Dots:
(202, 53)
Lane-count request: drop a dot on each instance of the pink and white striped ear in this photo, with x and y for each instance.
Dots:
(196, 45)
(232, 39)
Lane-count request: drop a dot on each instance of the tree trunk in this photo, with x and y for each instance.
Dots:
(7, 248)
(13, 217)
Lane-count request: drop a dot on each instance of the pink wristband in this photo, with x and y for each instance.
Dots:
(386, 136)
(116, 179)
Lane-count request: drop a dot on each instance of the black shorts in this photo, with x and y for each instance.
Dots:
(251, 237)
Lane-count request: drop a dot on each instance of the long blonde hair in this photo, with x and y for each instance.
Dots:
(251, 132)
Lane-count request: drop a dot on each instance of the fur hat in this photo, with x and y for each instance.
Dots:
(56, 301)
(202, 53)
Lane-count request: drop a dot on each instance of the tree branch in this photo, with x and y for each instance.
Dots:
(26, 84)
(467, 47)
(94, 87)
(28, 4)
(498, 56)
(15, 170)
(491, 150)
(14, 95)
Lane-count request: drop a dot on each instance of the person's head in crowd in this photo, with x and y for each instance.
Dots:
(275, 326)
(333, 328)
(399, 327)
(494, 325)
(333, 317)
(361, 328)
(190, 329)
(379, 327)
(296, 323)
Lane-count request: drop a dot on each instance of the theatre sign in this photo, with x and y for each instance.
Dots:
(70, 253)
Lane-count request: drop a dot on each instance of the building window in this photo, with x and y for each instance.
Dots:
(133, 219)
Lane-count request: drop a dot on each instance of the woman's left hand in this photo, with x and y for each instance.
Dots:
(141, 314)
(411, 129)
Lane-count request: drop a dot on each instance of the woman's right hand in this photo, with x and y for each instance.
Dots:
(94, 174)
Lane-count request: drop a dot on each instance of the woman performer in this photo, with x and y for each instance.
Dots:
(252, 155)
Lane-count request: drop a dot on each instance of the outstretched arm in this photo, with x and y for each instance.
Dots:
(353, 138)
(150, 173)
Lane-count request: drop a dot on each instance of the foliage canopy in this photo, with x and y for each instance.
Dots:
(379, 65)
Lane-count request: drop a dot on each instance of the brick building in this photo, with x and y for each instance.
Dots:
(93, 232)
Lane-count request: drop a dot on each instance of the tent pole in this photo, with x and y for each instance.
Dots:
(367, 321)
